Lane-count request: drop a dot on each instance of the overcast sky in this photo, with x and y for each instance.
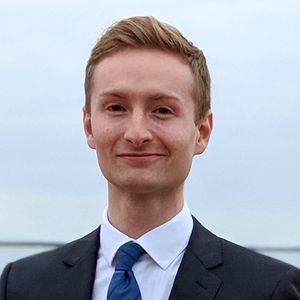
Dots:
(245, 187)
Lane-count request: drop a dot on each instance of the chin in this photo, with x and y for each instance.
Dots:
(135, 185)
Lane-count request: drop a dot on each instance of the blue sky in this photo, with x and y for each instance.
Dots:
(244, 188)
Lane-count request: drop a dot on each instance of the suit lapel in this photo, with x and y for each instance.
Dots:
(194, 280)
(80, 262)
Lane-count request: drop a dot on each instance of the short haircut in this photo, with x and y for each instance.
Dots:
(147, 32)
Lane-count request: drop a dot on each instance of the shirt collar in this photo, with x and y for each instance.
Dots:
(163, 243)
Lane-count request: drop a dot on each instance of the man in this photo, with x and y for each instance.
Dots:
(147, 114)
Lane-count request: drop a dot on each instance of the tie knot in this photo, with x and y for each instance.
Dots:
(127, 255)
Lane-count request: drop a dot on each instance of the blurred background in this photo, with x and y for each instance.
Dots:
(245, 187)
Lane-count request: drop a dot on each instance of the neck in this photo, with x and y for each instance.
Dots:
(136, 213)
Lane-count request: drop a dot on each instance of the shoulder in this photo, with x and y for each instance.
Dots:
(241, 258)
(38, 270)
(260, 273)
(236, 254)
(243, 270)
(231, 255)
(64, 252)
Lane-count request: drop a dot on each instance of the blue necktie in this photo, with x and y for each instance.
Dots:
(123, 285)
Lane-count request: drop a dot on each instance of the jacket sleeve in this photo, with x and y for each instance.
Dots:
(3, 282)
(288, 288)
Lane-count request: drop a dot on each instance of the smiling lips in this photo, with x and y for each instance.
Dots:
(140, 157)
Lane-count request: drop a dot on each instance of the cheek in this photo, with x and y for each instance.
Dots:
(185, 141)
(106, 139)
(102, 134)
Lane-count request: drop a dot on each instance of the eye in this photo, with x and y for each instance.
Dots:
(116, 108)
(163, 110)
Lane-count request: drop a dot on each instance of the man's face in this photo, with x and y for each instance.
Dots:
(141, 121)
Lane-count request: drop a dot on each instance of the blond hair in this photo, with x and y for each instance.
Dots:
(148, 32)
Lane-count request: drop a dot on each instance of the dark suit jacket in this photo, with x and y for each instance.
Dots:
(212, 268)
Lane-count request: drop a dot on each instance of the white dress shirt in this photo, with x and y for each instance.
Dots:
(155, 271)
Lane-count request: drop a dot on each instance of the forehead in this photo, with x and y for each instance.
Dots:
(143, 70)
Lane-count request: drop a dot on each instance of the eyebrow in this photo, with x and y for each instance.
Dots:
(158, 96)
(113, 93)
(153, 96)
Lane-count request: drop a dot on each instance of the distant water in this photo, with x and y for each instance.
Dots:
(8, 254)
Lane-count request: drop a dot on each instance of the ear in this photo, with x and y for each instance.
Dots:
(87, 125)
(204, 126)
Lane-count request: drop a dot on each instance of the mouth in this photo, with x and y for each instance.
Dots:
(141, 157)
(139, 154)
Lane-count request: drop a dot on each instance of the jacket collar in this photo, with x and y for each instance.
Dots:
(82, 248)
(194, 279)
(80, 260)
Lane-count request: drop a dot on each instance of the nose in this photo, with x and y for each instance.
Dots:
(137, 131)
